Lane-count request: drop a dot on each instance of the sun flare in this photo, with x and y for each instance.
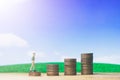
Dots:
(7, 3)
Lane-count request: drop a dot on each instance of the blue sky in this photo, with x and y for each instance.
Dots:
(58, 29)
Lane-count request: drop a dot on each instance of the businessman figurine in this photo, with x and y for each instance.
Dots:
(32, 68)
(33, 72)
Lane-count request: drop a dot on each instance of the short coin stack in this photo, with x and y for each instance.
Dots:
(34, 74)
(52, 70)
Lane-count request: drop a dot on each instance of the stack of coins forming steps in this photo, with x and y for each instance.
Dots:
(52, 70)
(70, 66)
(87, 63)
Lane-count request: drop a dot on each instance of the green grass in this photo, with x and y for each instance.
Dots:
(98, 67)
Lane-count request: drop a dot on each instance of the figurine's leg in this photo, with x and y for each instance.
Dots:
(31, 68)
(34, 66)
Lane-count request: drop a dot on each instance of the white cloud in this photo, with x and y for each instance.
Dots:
(108, 59)
(11, 40)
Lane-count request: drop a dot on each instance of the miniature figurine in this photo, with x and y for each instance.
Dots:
(32, 68)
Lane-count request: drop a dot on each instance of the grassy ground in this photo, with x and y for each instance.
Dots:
(98, 67)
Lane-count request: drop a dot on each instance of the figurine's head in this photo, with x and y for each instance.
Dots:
(34, 54)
